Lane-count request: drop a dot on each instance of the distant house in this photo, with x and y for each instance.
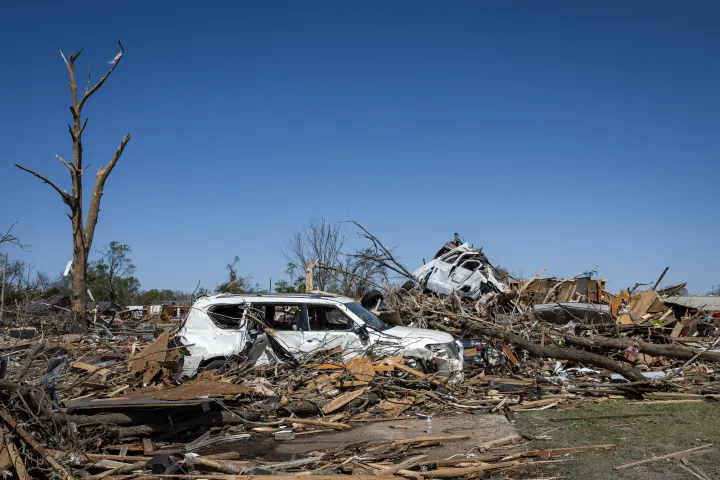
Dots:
(56, 303)
(168, 310)
(704, 303)
(106, 308)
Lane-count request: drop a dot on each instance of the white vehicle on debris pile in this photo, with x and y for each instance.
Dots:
(266, 328)
(459, 268)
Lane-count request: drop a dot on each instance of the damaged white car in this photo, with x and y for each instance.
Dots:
(459, 268)
(266, 328)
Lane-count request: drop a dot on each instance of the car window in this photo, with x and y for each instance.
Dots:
(471, 264)
(335, 319)
(370, 320)
(229, 317)
(327, 318)
(452, 258)
(292, 317)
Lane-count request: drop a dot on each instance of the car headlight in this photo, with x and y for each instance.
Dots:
(445, 350)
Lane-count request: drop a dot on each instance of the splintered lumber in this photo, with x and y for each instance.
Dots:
(462, 471)
(549, 452)
(221, 476)
(147, 447)
(318, 423)
(404, 465)
(644, 303)
(16, 460)
(361, 368)
(429, 438)
(600, 417)
(407, 369)
(679, 454)
(396, 406)
(27, 438)
(224, 466)
(155, 352)
(534, 404)
(342, 400)
(5, 460)
(500, 441)
(90, 368)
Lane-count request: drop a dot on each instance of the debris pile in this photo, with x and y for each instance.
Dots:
(119, 402)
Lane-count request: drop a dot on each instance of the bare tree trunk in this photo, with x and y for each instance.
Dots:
(309, 287)
(2, 292)
(83, 232)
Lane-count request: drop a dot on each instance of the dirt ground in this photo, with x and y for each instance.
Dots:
(670, 428)
(667, 428)
(481, 428)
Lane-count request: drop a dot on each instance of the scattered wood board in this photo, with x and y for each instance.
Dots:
(644, 303)
(342, 400)
(361, 368)
(155, 352)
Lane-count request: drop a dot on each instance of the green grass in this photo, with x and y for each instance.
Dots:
(670, 428)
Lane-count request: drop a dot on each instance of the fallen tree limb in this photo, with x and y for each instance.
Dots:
(668, 351)
(27, 438)
(551, 351)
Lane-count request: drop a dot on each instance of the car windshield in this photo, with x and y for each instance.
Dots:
(370, 320)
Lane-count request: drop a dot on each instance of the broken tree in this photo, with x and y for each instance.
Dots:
(83, 230)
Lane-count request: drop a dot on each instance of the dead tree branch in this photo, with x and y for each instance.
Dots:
(11, 239)
(384, 255)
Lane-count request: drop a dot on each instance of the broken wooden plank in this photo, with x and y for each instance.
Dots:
(361, 368)
(5, 460)
(147, 447)
(549, 452)
(407, 369)
(395, 406)
(222, 476)
(498, 442)
(155, 352)
(462, 471)
(342, 400)
(318, 423)
(27, 438)
(535, 404)
(90, 368)
(16, 459)
(599, 417)
(429, 438)
(404, 465)
(679, 454)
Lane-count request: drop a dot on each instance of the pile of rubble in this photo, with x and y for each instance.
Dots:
(136, 398)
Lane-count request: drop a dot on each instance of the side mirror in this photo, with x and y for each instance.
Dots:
(362, 332)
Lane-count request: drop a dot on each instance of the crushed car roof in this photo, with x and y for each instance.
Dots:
(266, 297)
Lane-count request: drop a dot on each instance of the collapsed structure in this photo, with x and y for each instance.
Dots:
(218, 393)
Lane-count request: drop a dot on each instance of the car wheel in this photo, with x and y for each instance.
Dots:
(213, 365)
(371, 299)
(409, 285)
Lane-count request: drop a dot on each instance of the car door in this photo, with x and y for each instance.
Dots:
(328, 328)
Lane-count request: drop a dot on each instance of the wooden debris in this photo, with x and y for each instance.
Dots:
(318, 423)
(361, 368)
(674, 455)
(155, 352)
(61, 470)
(342, 400)
(499, 442)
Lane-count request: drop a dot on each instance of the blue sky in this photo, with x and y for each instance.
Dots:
(554, 134)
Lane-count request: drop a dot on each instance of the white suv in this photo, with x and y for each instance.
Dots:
(263, 328)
